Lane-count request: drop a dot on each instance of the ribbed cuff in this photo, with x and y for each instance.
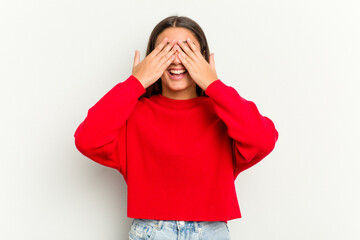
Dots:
(136, 85)
(211, 89)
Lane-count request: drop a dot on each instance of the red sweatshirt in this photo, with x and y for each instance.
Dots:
(179, 158)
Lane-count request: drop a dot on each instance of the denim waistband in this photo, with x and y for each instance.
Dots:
(194, 225)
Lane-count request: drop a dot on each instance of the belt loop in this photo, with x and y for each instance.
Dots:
(197, 226)
(159, 224)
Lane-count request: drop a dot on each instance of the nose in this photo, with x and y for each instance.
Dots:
(176, 59)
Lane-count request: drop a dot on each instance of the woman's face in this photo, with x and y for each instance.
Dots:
(171, 87)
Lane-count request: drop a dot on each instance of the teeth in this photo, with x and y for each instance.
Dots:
(177, 71)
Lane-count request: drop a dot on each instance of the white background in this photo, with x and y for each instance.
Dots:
(297, 60)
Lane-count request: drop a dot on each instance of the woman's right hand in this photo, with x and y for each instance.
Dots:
(153, 66)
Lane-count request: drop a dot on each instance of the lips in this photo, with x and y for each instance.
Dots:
(177, 76)
(174, 74)
(177, 69)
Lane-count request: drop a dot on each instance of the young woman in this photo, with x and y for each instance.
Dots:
(178, 135)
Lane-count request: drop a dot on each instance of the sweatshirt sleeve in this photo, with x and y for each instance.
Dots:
(254, 136)
(102, 135)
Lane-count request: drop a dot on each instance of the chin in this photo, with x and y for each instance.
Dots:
(177, 85)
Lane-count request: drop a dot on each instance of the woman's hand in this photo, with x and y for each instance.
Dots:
(202, 72)
(153, 66)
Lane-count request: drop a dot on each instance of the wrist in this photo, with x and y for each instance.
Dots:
(139, 79)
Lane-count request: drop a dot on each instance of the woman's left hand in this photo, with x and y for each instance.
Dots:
(202, 72)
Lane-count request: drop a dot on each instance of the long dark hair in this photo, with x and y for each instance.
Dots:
(176, 21)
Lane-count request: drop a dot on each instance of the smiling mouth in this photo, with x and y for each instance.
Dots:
(176, 74)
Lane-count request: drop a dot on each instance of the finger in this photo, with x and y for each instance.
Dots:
(185, 61)
(166, 64)
(212, 60)
(164, 52)
(193, 47)
(185, 56)
(187, 50)
(169, 54)
(136, 58)
(158, 48)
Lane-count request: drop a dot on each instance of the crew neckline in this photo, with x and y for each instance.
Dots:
(178, 103)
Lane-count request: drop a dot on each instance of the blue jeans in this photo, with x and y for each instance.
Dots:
(147, 229)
